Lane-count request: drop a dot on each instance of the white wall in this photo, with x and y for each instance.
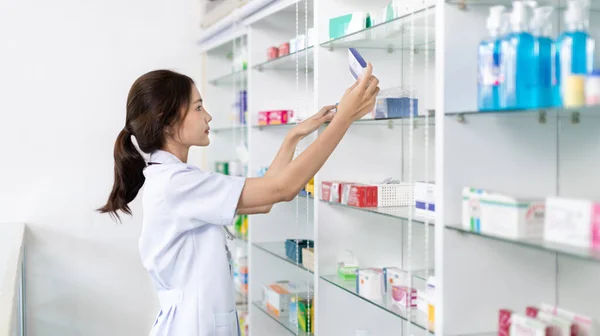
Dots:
(65, 70)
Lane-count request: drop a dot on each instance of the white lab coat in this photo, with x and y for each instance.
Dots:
(183, 247)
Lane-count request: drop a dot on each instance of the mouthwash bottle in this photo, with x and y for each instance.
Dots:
(575, 49)
(489, 63)
(518, 87)
(545, 53)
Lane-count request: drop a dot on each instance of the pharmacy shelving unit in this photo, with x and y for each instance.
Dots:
(403, 52)
(430, 50)
(538, 153)
(282, 84)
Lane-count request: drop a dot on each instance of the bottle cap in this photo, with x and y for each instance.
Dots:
(519, 15)
(575, 12)
(540, 22)
(494, 21)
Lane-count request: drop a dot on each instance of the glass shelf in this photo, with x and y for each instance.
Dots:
(393, 34)
(288, 62)
(277, 249)
(231, 78)
(390, 122)
(539, 244)
(595, 6)
(417, 317)
(398, 212)
(573, 113)
(283, 321)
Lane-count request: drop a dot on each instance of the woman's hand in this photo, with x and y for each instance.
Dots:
(360, 98)
(313, 123)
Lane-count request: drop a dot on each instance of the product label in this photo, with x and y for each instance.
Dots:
(475, 215)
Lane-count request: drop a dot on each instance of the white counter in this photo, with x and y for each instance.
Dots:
(11, 259)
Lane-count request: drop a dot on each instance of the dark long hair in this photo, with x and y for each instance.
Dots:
(156, 101)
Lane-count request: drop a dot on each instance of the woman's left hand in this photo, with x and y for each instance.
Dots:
(313, 123)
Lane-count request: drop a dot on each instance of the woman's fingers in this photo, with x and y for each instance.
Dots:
(366, 77)
(325, 109)
(353, 86)
(373, 86)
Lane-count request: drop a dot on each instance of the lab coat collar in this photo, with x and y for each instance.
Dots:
(164, 157)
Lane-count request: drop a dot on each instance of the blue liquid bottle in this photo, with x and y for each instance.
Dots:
(575, 48)
(488, 55)
(518, 89)
(545, 55)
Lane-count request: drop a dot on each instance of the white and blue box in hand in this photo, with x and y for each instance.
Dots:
(356, 63)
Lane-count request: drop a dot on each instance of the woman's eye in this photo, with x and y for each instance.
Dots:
(199, 108)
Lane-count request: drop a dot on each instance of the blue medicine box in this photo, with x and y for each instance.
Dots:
(290, 248)
(396, 108)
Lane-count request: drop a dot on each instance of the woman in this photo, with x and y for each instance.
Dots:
(182, 244)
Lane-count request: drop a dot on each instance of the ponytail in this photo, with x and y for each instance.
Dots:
(157, 100)
(129, 176)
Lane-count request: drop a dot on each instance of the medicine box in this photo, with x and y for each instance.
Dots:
(306, 315)
(272, 53)
(396, 108)
(404, 296)
(369, 283)
(284, 49)
(331, 191)
(293, 248)
(359, 195)
(394, 276)
(425, 199)
(527, 326)
(502, 215)
(276, 296)
(504, 322)
(356, 63)
(561, 325)
(222, 167)
(308, 258)
(347, 24)
(276, 117)
(585, 325)
(572, 222)
(293, 311)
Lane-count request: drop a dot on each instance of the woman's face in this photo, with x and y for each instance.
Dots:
(194, 129)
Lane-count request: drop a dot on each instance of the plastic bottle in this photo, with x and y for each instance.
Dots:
(545, 54)
(575, 50)
(518, 68)
(489, 62)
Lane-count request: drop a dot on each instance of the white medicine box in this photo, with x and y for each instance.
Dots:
(572, 222)
(425, 199)
(369, 283)
(502, 215)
